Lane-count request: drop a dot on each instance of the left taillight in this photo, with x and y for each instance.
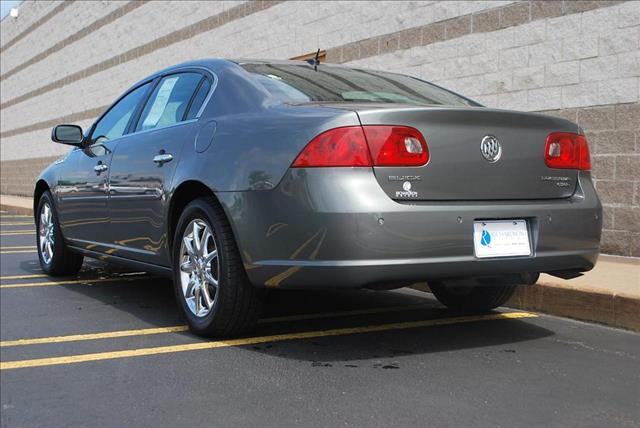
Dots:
(566, 150)
(369, 145)
(345, 146)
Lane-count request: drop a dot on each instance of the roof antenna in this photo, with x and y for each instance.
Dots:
(315, 61)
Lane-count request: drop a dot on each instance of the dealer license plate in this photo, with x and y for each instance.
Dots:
(501, 238)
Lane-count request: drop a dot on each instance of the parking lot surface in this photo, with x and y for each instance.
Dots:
(108, 348)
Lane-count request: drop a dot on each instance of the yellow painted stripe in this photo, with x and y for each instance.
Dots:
(129, 353)
(30, 223)
(18, 232)
(94, 336)
(2, 215)
(179, 328)
(78, 281)
(39, 275)
(18, 251)
(17, 247)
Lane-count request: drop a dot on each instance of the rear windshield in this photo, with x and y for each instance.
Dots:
(301, 84)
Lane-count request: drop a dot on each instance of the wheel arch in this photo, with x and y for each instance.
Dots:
(186, 192)
(41, 187)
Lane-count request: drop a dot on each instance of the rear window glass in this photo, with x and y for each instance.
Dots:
(300, 84)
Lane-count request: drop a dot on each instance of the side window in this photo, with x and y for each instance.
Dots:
(114, 123)
(169, 101)
(199, 98)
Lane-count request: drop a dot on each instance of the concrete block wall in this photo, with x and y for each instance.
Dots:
(66, 61)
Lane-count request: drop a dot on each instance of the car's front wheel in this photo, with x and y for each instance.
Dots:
(210, 282)
(470, 295)
(55, 258)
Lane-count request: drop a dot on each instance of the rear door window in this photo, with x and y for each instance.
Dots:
(169, 102)
(199, 99)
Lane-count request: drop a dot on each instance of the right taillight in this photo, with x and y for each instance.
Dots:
(369, 145)
(566, 150)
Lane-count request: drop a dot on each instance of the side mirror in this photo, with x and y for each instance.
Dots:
(67, 134)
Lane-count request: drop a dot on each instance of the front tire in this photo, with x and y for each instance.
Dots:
(55, 258)
(468, 295)
(210, 283)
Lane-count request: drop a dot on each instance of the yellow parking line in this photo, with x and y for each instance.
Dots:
(30, 223)
(180, 328)
(99, 356)
(39, 275)
(2, 215)
(18, 249)
(93, 336)
(79, 281)
(18, 232)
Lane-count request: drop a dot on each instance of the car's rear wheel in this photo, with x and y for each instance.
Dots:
(210, 282)
(55, 258)
(470, 296)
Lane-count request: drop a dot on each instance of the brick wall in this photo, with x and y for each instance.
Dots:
(65, 61)
(17, 177)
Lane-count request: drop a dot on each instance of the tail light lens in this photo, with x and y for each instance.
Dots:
(336, 147)
(396, 146)
(566, 150)
(379, 145)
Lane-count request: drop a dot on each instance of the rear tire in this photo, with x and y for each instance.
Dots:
(469, 296)
(213, 291)
(55, 257)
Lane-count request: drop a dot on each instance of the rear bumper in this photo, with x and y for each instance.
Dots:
(337, 228)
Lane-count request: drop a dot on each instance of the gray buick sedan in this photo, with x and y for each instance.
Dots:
(233, 176)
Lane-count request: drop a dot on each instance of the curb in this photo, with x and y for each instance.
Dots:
(16, 204)
(616, 310)
(584, 304)
(16, 210)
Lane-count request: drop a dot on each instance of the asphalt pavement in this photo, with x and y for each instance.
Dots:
(108, 348)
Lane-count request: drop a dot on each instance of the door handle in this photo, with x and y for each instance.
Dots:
(100, 168)
(163, 158)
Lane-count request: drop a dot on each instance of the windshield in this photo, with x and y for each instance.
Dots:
(300, 83)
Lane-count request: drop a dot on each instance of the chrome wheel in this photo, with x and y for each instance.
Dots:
(45, 232)
(199, 267)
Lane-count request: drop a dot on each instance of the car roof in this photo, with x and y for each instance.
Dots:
(214, 64)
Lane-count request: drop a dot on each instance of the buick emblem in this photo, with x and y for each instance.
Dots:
(490, 148)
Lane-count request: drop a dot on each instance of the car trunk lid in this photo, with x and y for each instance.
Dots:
(457, 168)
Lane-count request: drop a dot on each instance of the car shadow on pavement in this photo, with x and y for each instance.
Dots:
(152, 301)
(384, 347)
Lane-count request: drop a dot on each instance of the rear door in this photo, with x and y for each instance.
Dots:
(83, 184)
(145, 161)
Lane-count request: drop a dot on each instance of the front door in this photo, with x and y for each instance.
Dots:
(82, 195)
(83, 184)
(144, 163)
